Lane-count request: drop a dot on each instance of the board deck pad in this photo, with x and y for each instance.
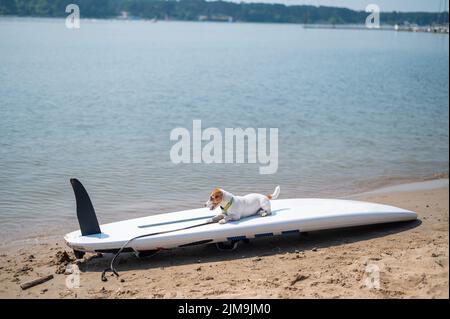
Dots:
(288, 216)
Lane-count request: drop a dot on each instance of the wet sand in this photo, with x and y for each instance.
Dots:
(402, 260)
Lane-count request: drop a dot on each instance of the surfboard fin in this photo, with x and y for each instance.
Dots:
(85, 211)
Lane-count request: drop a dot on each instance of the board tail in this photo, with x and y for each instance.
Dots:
(275, 194)
(85, 211)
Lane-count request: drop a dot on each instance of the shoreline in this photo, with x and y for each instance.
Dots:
(422, 185)
(412, 259)
(318, 26)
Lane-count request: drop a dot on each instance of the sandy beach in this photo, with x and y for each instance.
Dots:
(407, 260)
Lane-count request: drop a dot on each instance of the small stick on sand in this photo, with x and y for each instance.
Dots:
(35, 282)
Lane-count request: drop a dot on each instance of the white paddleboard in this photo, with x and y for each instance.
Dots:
(288, 216)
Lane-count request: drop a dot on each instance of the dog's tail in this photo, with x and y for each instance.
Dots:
(275, 194)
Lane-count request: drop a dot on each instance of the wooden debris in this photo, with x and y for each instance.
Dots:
(35, 282)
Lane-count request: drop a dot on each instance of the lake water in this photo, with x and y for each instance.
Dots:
(353, 109)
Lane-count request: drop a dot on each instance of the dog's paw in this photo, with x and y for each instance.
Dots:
(264, 214)
(222, 221)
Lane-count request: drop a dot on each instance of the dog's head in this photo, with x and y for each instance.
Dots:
(215, 199)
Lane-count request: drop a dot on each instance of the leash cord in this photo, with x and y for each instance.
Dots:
(111, 267)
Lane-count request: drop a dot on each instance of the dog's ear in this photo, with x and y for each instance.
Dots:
(218, 193)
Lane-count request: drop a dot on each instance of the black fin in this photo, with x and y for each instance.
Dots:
(85, 211)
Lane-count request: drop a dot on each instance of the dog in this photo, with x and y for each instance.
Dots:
(237, 207)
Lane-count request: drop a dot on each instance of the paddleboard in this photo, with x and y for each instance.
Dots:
(288, 216)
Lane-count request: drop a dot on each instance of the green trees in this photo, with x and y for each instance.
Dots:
(211, 10)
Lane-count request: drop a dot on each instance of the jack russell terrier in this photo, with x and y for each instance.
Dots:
(236, 207)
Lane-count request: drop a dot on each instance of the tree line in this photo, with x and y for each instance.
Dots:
(189, 10)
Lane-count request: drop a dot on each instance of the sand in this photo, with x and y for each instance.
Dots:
(403, 260)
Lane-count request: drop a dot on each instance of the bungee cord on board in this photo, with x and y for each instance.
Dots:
(111, 266)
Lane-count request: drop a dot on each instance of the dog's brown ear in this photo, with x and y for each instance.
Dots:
(218, 192)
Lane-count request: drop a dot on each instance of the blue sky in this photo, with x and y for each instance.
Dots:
(385, 5)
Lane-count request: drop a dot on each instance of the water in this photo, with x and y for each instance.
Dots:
(352, 107)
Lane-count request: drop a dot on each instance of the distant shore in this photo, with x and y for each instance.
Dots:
(412, 259)
(396, 28)
(224, 11)
(438, 29)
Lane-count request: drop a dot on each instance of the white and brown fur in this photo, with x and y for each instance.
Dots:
(243, 206)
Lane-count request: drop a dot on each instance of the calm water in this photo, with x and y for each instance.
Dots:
(352, 107)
